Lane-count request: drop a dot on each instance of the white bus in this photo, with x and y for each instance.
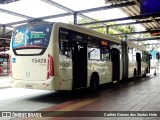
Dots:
(138, 60)
(58, 56)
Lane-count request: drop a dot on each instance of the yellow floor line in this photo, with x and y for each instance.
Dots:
(77, 105)
(69, 108)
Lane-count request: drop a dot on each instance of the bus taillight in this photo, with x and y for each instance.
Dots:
(10, 66)
(50, 67)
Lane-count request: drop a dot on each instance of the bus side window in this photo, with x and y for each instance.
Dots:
(145, 56)
(134, 54)
(65, 47)
(93, 49)
(105, 54)
(94, 53)
(130, 54)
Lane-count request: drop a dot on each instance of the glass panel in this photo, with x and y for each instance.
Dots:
(94, 54)
(105, 52)
(145, 56)
(65, 47)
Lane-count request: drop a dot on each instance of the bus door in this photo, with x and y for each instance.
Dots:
(115, 54)
(79, 59)
(138, 59)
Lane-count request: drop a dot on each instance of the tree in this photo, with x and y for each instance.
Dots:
(114, 30)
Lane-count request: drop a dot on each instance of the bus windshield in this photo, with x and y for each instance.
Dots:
(32, 36)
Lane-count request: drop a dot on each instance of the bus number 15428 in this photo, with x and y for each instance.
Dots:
(39, 60)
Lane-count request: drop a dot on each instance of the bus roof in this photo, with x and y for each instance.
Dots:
(87, 31)
(33, 23)
(134, 45)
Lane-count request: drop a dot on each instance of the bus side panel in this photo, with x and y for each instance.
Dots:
(121, 70)
(96, 66)
(104, 70)
(131, 66)
(53, 51)
(107, 72)
(65, 81)
(62, 64)
(144, 66)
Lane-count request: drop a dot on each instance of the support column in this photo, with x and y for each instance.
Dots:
(125, 57)
(75, 18)
(107, 30)
(125, 37)
(4, 45)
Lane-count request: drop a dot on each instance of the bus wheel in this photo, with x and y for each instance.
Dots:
(94, 84)
(155, 72)
(144, 75)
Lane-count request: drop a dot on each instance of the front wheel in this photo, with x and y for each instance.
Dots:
(94, 85)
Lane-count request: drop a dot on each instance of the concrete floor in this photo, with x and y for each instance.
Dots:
(140, 97)
(135, 97)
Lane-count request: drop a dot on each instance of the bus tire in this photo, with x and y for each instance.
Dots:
(144, 75)
(145, 72)
(155, 72)
(94, 83)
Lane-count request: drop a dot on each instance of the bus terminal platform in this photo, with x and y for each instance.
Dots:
(137, 96)
(4, 80)
(140, 97)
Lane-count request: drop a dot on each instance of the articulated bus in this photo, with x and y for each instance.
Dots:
(59, 56)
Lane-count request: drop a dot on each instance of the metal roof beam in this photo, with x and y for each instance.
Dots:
(121, 24)
(40, 18)
(15, 14)
(65, 8)
(145, 39)
(132, 23)
(156, 22)
(152, 18)
(121, 19)
(106, 7)
(87, 10)
(7, 1)
(152, 44)
(15, 23)
(58, 6)
(55, 16)
(141, 32)
(65, 14)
